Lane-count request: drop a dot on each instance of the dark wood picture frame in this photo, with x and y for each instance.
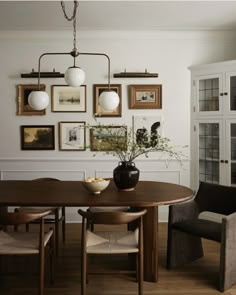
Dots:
(72, 136)
(37, 137)
(24, 109)
(145, 96)
(97, 90)
(68, 99)
(101, 138)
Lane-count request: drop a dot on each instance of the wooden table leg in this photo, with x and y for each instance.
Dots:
(150, 225)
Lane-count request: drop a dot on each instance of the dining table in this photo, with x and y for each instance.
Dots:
(147, 194)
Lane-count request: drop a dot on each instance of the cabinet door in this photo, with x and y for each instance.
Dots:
(209, 151)
(230, 155)
(208, 94)
(229, 97)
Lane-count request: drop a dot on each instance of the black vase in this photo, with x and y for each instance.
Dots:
(126, 176)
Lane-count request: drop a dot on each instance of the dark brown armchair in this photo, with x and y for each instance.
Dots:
(210, 215)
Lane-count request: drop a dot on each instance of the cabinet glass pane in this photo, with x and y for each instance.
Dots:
(209, 149)
(208, 95)
(233, 152)
(233, 93)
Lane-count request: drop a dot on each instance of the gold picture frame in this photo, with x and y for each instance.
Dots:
(98, 111)
(145, 96)
(24, 109)
(107, 138)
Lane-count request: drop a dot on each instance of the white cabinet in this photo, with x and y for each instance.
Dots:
(213, 123)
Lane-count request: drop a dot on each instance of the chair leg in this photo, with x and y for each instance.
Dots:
(140, 273)
(52, 253)
(57, 231)
(64, 224)
(83, 274)
(41, 271)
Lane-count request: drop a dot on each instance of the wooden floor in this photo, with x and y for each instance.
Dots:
(198, 278)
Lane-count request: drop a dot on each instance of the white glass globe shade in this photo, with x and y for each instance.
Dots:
(74, 76)
(38, 100)
(109, 100)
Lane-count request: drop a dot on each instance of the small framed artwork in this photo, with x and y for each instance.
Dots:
(37, 137)
(98, 111)
(145, 96)
(24, 109)
(108, 138)
(72, 136)
(68, 99)
(143, 125)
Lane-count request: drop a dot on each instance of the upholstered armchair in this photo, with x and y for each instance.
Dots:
(210, 215)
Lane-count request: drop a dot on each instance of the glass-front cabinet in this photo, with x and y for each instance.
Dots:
(216, 151)
(215, 94)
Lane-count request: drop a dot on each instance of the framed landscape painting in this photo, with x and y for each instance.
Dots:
(72, 136)
(24, 109)
(37, 137)
(145, 96)
(68, 99)
(108, 138)
(98, 111)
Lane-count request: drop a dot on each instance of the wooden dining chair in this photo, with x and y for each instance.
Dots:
(27, 243)
(58, 216)
(112, 242)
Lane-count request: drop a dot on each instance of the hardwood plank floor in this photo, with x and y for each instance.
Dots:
(199, 277)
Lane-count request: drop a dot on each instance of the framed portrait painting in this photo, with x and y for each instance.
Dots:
(108, 138)
(98, 111)
(24, 109)
(68, 99)
(145, 96)
(72, 136)
(37, 137)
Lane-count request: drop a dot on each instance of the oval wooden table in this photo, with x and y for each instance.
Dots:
(147, 194)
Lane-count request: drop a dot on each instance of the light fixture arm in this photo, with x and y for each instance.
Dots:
(74, 54)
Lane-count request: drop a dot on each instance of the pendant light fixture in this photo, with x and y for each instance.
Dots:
(74, 75)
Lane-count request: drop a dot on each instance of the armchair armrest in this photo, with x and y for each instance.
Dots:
(183, 211)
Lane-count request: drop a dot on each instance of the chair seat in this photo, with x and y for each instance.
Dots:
(112, 242)
(200, 227)
(21, 242)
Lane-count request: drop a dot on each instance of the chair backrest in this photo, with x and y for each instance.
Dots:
(17, 218)
(216, 198)
(111, 217)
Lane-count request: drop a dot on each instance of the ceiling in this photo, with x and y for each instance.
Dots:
(98, 15)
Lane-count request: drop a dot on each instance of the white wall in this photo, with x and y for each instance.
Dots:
(169, 53)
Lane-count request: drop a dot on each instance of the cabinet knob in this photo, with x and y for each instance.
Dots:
(222, 161)
(226, 161)
(221, 94)
(226, 93)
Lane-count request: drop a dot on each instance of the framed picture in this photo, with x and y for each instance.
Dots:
(37, 137)
(68, 99)
(108, 138)
(98, 111)
(72, 136)
(24, 109)
(145, 96)
(146, 124)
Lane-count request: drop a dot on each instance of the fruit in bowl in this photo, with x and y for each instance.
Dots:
(95, 185)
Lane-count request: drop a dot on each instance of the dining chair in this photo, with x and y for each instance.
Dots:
(210, 215)
(58, 215)
(27, 243)
(112, 242)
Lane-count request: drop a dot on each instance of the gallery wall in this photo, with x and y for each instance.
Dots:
(168, 53)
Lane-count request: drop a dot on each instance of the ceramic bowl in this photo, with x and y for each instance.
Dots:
(95, 185)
